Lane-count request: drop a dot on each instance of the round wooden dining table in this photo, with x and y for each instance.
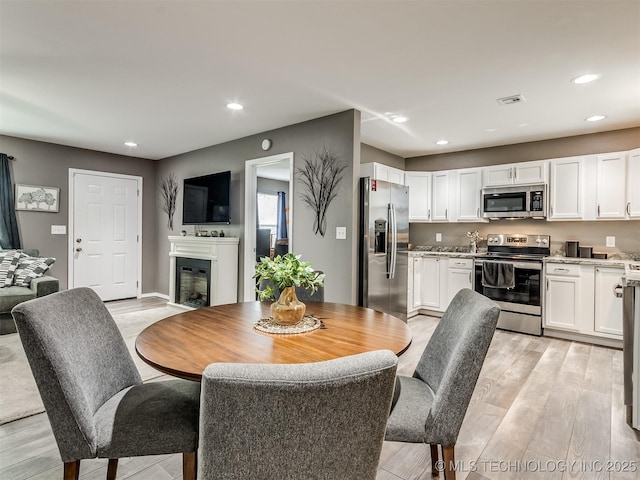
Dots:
(184, 344)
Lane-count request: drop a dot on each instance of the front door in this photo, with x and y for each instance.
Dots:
(105, 234)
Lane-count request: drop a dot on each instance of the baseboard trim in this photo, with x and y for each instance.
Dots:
(581, 337)
(154, 294)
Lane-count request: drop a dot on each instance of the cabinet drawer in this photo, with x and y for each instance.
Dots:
(465, 263)
(564, 269)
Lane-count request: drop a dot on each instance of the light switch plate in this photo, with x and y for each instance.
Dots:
(341, 233)
(58, 229)
(611, 241)
(438, 237)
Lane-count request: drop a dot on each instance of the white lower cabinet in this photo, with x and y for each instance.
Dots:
(430, 283)
(434, 281)
(564, 289)
(460, 275)
(581, 299)
(608, 301)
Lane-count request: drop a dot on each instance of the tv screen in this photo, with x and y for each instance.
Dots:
(206, 199)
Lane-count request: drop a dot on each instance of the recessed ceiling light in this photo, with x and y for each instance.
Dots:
(399, 119)
(586, 78)
(131, 144)
(442, 142)
(523, 125)
(489, 129)
(234, 106)
(595, 118)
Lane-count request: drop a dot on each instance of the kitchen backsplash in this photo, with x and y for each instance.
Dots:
(626, 233)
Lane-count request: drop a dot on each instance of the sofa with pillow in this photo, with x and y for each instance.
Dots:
(22, 278)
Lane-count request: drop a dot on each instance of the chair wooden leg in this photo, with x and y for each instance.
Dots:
(449, 462)
(72, 470)
(112, 469)
(189, 465)
(434, 460)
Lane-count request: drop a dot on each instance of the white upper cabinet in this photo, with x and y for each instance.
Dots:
(633, 184)
(419, 184)
(611, 186)
(567, 189)
(382, 172)
(468, 194)
(440, 200)
(516, 174)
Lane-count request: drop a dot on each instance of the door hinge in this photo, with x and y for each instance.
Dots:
(138, 238)
(136, 284)
(138, 192)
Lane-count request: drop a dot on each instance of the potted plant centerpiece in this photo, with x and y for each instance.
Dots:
(283, 274)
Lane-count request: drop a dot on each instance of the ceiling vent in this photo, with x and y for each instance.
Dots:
(511, 100)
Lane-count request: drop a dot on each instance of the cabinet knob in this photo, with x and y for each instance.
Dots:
(78, 249)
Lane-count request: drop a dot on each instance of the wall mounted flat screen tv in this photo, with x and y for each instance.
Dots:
(206, 199)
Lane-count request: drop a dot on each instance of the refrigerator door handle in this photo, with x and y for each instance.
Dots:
(394, 240)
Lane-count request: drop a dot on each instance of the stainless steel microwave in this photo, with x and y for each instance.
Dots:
(522, 201)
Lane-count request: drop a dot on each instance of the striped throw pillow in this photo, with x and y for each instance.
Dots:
(30, 268)
(8, 267)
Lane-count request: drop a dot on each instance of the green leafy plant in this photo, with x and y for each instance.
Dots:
(285, 271)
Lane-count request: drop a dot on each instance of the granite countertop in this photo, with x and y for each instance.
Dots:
(613, 260)
(429, 250)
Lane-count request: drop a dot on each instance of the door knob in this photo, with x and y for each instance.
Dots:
(78, 249)
(78, 240)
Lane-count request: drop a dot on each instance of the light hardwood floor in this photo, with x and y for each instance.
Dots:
(542, 408)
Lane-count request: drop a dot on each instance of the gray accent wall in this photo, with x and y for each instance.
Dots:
(339, 132)
(48, 164)
(369, 154)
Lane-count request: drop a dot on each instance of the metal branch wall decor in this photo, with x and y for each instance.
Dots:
(320, 176)
(169, 192)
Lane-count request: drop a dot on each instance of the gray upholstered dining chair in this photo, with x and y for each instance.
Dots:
(322, 420)
(92, 392)
(429, 406)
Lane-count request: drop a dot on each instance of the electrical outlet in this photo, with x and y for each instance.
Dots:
(58, 229)
(341, 233)
(438, 237)
(611, 241)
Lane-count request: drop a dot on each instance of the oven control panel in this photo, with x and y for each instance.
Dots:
(518, 240)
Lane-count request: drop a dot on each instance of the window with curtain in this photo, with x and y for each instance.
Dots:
(268, 212)
(9, 236)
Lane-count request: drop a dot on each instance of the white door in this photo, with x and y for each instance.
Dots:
(633, 180)
(105, 234)
(611, 185)
(497, 176)
(469, 194)
(566, 188)
(608, 305)
(430, 282)
(419, 184)
(440, 198)
(530, 172)
(562, 303)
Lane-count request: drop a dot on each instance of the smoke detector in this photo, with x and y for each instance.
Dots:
(511, 100)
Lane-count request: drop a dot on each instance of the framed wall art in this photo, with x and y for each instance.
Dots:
(37, 199)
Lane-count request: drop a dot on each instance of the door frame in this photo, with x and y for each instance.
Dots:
(250, 192)
(71, 222)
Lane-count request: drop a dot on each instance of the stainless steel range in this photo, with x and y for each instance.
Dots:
(511, 275)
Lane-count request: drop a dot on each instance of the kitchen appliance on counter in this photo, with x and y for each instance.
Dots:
(631, 338)
(522, 201)
(383, 246)
(511, 275)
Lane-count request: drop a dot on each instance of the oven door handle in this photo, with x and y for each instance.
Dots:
(516, 264)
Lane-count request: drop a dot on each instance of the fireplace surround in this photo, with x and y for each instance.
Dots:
(203, 271)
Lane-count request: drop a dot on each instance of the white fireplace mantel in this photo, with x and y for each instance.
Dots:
(223, 254)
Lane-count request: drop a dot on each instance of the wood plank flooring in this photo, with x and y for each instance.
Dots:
(542, 408)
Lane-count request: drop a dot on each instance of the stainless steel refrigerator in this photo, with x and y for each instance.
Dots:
(383, 255)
